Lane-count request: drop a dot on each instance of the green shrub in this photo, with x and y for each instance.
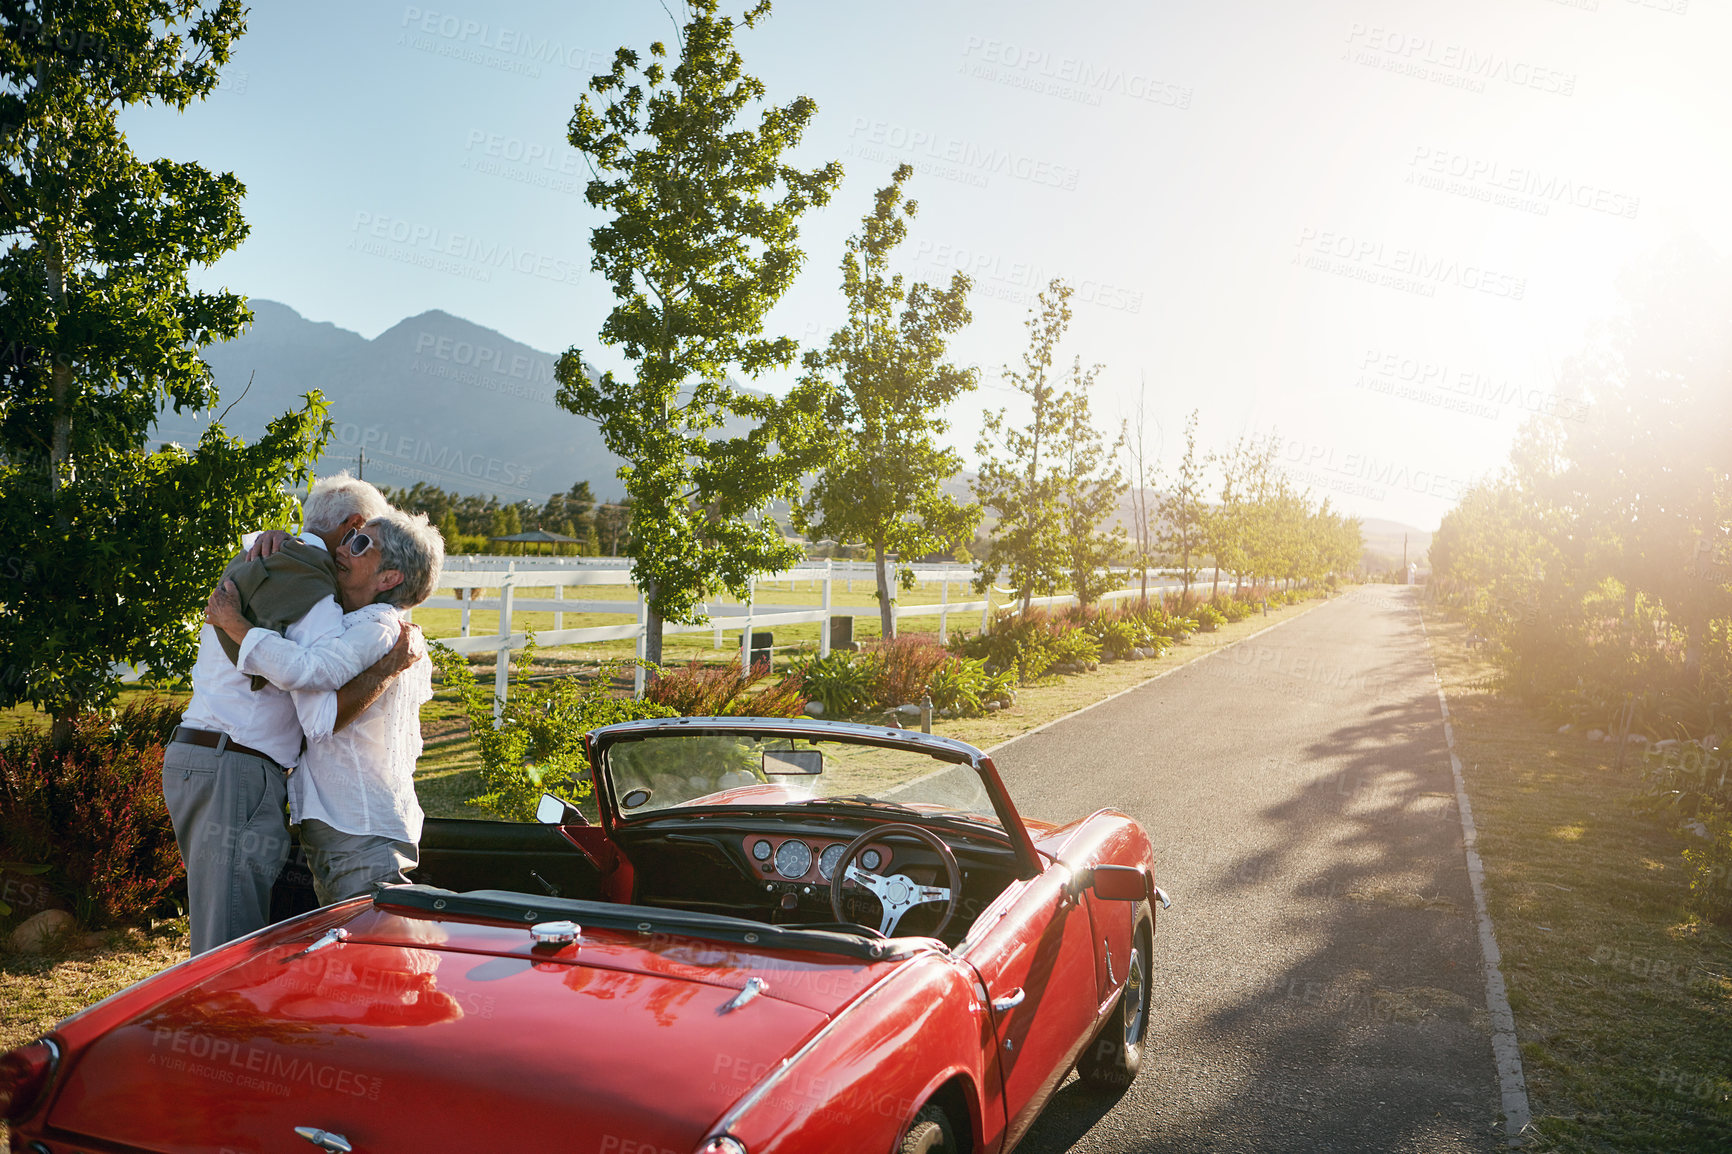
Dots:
(1711, 883)
(1232, 608)
(960, 685)
(91, 810)
(1686, 781)
(1023, 645)
(537, 747)
(1208, 618)
(842, 682)
(1077, 646)
(1117, 638)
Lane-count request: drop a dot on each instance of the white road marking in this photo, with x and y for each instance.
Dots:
(1504, 1048)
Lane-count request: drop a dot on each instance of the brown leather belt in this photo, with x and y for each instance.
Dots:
(212, 740)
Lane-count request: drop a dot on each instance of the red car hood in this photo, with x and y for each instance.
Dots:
(424, 1034)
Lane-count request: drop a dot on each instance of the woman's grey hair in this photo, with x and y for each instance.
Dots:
(333, 500)
(410, 544)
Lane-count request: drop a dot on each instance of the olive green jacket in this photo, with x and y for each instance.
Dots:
(278, 590)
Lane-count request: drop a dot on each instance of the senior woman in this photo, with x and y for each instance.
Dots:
(353, 795)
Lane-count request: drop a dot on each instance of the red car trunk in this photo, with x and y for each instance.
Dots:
(422, 1034)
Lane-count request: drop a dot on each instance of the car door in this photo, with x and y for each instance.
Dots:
(1037, 963)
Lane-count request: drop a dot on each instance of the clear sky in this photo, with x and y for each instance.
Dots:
(1374, 229)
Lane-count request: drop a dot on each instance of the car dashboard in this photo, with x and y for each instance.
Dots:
(779, 871)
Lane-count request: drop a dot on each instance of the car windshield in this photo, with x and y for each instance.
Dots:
(768, 771)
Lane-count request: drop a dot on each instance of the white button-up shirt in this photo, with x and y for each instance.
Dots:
(223, 698)
(360, 780)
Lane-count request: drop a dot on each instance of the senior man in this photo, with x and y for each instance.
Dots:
(224, 773)
(353, 797)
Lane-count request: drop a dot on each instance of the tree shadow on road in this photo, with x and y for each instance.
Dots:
(1371, 1034)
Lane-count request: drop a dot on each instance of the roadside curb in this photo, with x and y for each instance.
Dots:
(1150, 680)
(1505, 1048)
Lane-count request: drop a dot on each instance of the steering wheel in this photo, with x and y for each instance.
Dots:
(897, 894)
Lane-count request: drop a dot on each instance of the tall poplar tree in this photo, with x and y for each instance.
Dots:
(1090, 485)
(701, 242)
(882, 480)
(1018, 473)
(115, 545)
(1183, 511)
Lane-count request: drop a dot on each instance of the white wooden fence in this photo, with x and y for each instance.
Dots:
(491, 584)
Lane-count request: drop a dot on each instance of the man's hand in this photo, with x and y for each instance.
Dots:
(223, 610)
(407, 651)
(267, 543)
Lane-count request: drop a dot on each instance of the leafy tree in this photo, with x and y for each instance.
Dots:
(1089, 487)
(1598, 563)
(1232, 528)
(883, 474)
(1288, 547)
(1021, 487)
(613, 526)
(1338, 541)
(1184, 512)
(101, 329)
(1649, 476)
(569, 512)
(507, 522)
(701, 244)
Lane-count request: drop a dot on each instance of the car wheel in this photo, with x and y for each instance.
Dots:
(930, 1133)
(1112, 1059)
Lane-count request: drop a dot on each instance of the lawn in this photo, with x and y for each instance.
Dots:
(1622, 998)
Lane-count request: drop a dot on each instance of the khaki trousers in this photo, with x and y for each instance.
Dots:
(228, 811)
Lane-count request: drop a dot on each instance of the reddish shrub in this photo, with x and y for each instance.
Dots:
(700, 690)
(905, 668)
(92, 811)
(786, 698)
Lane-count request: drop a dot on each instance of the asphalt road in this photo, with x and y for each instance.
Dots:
(1317, 984)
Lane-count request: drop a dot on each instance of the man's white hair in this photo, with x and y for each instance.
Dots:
(333, 500)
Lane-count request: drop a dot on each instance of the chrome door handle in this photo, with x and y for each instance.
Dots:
(1009, 1002)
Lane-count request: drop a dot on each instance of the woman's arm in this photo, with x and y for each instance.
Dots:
(328, 663)
(322, 712)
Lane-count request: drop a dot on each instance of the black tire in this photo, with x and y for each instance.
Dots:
(930, 1133)
(1112, 1059)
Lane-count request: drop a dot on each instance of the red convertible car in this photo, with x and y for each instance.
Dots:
(778, 936)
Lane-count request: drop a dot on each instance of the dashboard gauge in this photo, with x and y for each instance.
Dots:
(761, 850)
(871, 859)
(794, 859)
(827, 861)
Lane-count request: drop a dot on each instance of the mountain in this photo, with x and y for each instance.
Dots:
(434, 398)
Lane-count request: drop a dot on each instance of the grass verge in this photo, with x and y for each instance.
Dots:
(1622, 998)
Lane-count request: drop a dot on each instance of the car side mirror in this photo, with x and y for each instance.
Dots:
(552, 810)
(1120, 883)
